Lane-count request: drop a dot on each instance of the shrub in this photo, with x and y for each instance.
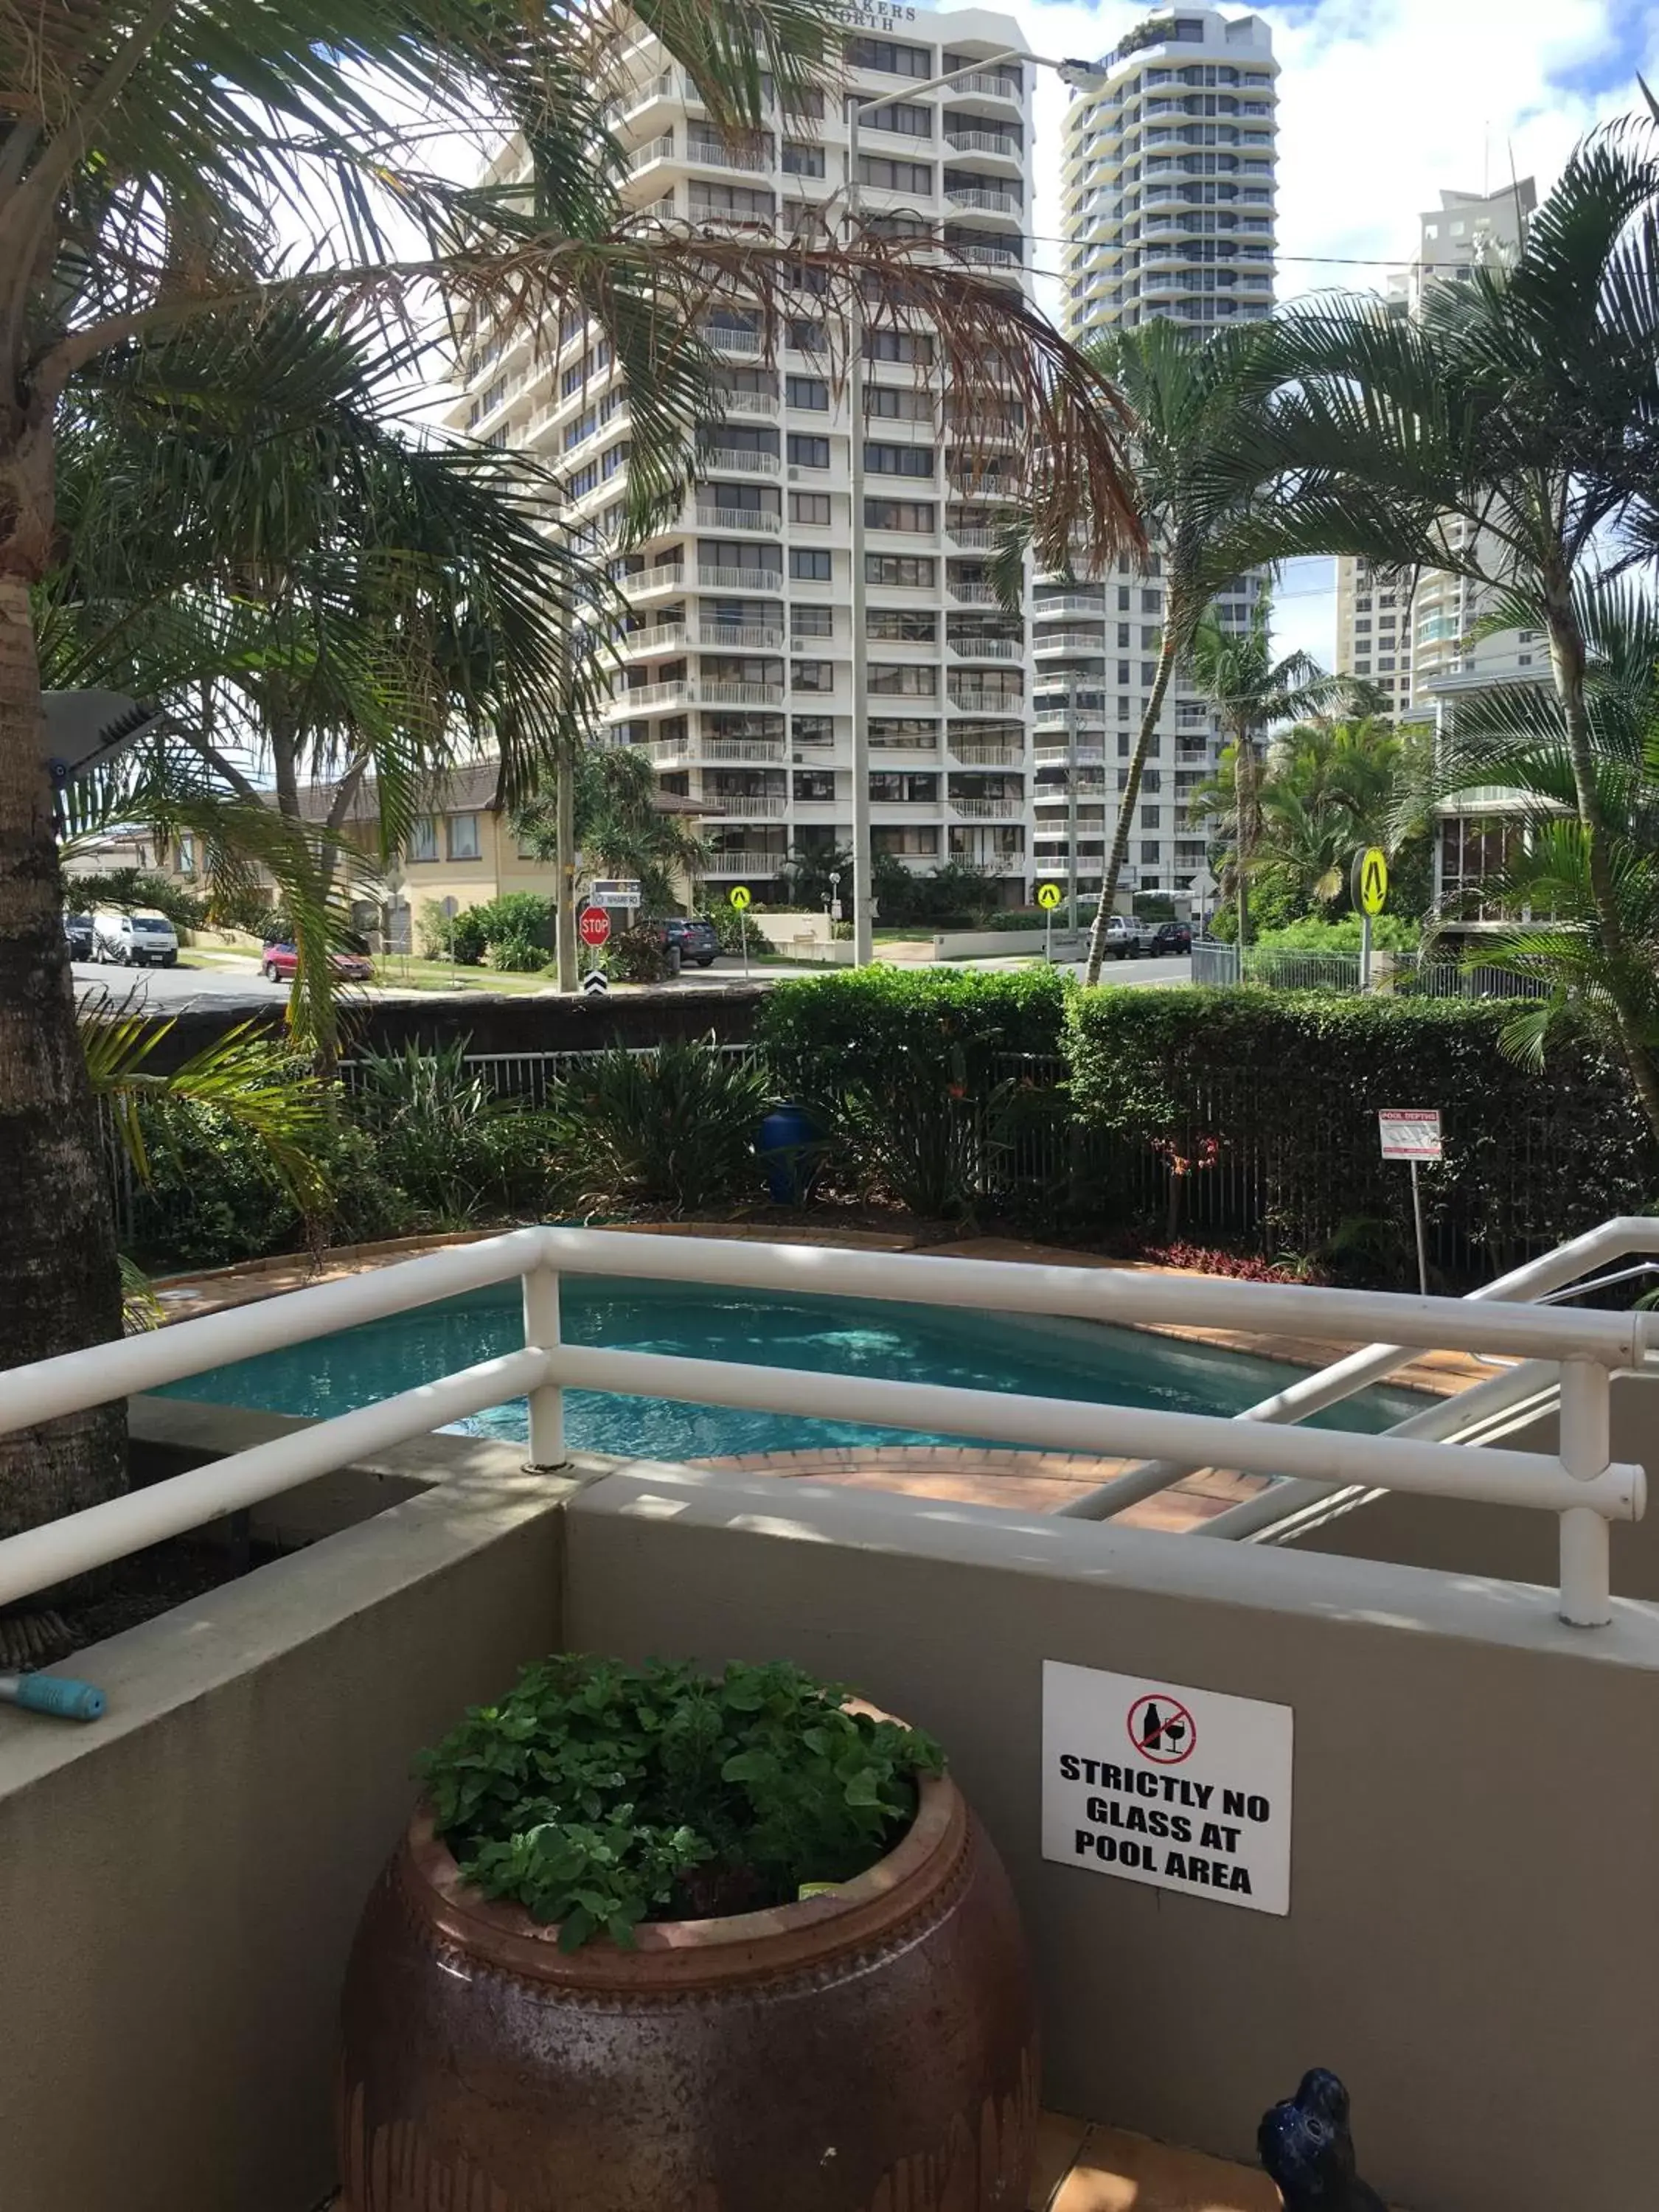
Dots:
(520, 929)
(1286, 1086)
(1390, 933)
(675, 1126)
(458, 937)
(445, 1139)
(639, 956)
(598, 1795)
(828, 1033)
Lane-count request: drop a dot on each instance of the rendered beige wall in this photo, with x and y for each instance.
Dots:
(1472, 1937)
(179, 1884)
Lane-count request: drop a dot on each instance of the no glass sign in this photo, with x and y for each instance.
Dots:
(1177, 1787)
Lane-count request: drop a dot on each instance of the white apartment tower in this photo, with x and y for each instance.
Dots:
(738, 658)
(1410, 638)
(1169, 169)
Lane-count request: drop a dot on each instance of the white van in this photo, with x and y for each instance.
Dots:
(141, 939)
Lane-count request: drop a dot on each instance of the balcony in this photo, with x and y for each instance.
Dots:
(965, 139)
(718, 692)
(646, 583)
(970, 699)
(727, 865)
(651, 698)
(1090, 604)
(987, 84)
(736, 519)
(989, 648)
(653, 151)
(735, 460)
(758, 750)
(711, 154)
(759, 806)
(990, 257)
(744, 403)
(974, 595)
(639, 644)
(978, 537)
(751, 582)
(986, 199)
(972, 753)
(988, 810)
(752, 637)
(1068, 640)
(733, 338)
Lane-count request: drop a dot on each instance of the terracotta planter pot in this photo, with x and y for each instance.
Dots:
(874, 2051)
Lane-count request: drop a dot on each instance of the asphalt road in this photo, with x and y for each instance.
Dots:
(169, 990)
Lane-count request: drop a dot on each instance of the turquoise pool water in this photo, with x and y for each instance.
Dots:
(1055, 1358)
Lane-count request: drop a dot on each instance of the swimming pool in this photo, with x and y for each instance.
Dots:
(1047, 1357)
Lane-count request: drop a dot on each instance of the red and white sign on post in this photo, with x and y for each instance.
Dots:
(594, 926)
(1410, 1132)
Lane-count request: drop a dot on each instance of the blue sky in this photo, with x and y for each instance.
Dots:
(1382, 102)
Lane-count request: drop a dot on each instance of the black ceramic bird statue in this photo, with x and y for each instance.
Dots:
(1306, 2147)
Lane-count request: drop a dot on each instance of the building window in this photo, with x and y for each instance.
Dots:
(890, 679)
(461, 837)
(808, 565)
(1150, 853)
(898, 460)
(897, 176)
(890, 58)
(815, 787)
(802, 161)
(808, 453)
(814, 730)
(424, 838)
(919, 839)
(811, 675)
(812, 622)
(912, 346)
(911, 627)
(917, 515)
(913, 571)
(906, 117)
(187, 856)
(811, 507)
(893, 788)
(807, 392)
(904, 733)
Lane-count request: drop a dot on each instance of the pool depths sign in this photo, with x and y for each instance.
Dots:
(1174, 1786)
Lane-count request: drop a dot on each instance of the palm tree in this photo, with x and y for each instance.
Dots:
(1330, 788)
(333, 602)
(1516, 737)
(621, 828)
(151, 157)
(1192, 400)
(1249, 692)
(1507, 436)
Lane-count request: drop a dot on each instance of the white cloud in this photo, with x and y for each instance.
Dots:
(1383, 103)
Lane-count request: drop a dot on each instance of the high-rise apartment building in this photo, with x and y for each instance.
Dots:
(1169, 212)
(1408, 636)
(738, 658)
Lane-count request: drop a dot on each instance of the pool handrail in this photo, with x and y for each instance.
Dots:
(1583, 1486)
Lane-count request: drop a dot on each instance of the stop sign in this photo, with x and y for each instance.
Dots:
(594, 926)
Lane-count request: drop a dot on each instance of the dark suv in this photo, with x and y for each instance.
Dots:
(697, 940)
(1173, 937)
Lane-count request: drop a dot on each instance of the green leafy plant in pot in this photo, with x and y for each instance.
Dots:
(656, 1935)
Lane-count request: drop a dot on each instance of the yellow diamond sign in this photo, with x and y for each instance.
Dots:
(1048, 897)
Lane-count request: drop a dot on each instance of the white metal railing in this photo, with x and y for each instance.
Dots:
(1068, 640)
(744, 403)
(989, 648)
(757, 636)
(738, 460)
(982, 195)
(986, 810)
(757, 581)
(1583, 1487)
(733, 337)
(974, 595)
(748, 805)
(653, 150)
(761, 521)
(1070, 602)
(726, 865)
(666, 637)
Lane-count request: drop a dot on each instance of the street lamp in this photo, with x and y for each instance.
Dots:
(1082, 76)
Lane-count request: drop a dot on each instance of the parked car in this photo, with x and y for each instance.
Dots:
(1127, 939)
(1171, 937)
(140, 938)
(695, 938)
(77, 935)
(279, 960)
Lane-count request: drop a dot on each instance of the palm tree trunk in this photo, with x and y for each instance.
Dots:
(1567, 660)
(1125, 812)
(60, 1283)
(1244, 802)
(565, 867)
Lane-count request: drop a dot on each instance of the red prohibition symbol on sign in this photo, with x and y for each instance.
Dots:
(1161, 1728)
(594, 926)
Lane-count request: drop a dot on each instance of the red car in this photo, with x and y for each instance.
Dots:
(278, 962)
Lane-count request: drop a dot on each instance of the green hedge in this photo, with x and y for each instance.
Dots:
(860, 1028)
(1278, 1093)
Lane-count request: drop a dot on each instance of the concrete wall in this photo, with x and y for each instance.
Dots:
(1472, 1932)
(524, 1024)
(179, 1885)
(1457, 1538)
